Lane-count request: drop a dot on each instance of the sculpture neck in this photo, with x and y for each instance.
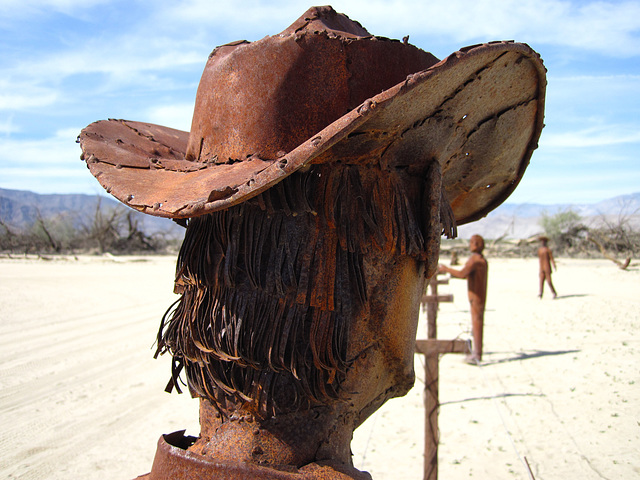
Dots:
(293, 439)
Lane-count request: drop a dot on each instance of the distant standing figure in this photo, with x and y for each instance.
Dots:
(475, 271)
(546, 260)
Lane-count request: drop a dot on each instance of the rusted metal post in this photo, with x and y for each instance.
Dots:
(431, 406)
(432, 349)
(432, 301)
(430, 394)
(432, 309)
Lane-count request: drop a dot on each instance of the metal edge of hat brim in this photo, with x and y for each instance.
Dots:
(341, 128)
(306, 152)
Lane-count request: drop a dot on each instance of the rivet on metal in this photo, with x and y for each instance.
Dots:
(366, 107)
(257, 451)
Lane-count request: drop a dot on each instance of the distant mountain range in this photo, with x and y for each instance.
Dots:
(521, 220)
(611, 206)
(20, 209)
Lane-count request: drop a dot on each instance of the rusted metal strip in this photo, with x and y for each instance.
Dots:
(438, 347)
(447, 297)
(431, 406)
(173, 461)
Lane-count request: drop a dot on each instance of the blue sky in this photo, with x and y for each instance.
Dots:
(67, 63)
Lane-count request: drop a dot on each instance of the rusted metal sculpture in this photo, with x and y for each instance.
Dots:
(545, 259)
(475, 271)
(431, 301)
(322, 166)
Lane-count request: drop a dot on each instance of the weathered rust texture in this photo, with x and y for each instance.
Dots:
(288, 361)
(174, 461)
(478, 113)
(431, 408)
(322, 167)
(475, 271)
(431, 301)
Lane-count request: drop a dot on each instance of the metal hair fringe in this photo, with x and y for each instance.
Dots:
(259, 318)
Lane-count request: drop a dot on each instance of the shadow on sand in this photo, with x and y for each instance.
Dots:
(527, 356)
(577, 295)
(491, 397)
(520, 356)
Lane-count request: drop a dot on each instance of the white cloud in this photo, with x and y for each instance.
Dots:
(50, 180)
(609, 27)
(540, 185)
(26, 175)
(124, 63)
(121, 58)
(592, 111)
(608, 86)
(46, 165)
(261, 17)
(7, 127)
(177, 34)
(601, 136)
(175, 116)
(57, 150)
(161, 48)
(22, 96)
(11, 10)
(606, 27)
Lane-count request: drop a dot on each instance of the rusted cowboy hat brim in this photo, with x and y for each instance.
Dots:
(479, 113)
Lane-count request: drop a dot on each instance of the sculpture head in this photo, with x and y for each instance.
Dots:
(302, 303)
(283, 295)
(476, 244)
(322, 166)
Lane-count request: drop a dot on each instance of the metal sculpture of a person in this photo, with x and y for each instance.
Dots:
(475, 271)
(545, 258)
(322, 166)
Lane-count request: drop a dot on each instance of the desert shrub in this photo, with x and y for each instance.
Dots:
(565, 230)
(617, 233)
(106, 229)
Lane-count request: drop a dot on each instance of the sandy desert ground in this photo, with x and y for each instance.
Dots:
(82, 398)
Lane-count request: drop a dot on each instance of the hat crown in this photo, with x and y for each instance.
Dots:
(267, 97)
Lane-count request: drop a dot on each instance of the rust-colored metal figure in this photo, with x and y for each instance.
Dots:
(476, 272)
(322, 166)
(545, 256)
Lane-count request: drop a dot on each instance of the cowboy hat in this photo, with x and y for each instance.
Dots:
(325, 90)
